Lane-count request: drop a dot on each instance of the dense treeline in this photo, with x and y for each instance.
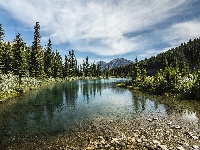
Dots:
(25, 67)
(40, 62)
(175, 72)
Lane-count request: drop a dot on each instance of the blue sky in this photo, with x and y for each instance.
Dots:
(104, 29)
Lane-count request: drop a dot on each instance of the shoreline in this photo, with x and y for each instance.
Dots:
(41, 83)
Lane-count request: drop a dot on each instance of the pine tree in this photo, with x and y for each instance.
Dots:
(93, 70)
(1, 33)
(98, 70)
(66, 67)
(2, 49)
(57, 65)
(8, 58)
(48, 60)
(20, 66)
(37, 55)
(86, 68)
(136, 73)
(72, 64)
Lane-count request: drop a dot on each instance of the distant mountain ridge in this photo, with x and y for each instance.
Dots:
(114, 63)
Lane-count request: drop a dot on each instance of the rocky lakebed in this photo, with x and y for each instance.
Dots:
(159, 132)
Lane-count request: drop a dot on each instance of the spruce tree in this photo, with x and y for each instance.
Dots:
(2, 49)
(98, 70)
(7, 58)
(37, 55)
(20, 66)
(87, 68)
(1, 33)
(48, 60)
(57, 65)
(73, 69)
(136, 73)
(66, 67)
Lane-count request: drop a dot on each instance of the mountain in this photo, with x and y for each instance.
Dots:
(114, 63)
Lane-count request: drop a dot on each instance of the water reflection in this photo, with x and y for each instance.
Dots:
(71, 93)
(59, 107)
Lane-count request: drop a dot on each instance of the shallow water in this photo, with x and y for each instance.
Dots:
(63, 106)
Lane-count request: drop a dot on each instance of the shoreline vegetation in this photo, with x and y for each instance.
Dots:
(175, 73)
(10, 86)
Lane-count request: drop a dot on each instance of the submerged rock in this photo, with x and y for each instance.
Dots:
(163, 147)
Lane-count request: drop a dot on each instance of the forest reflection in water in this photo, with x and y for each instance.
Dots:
(61, 106)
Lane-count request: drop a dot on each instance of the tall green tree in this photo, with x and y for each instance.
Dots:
(2, 49)
(37, 55)
(98, 70)
(1, 33)
(72, 64)
(57, 65)
(136, 73)
(7, 58)
(20, 64)
(66, 70)
(87, 67)
(48, 60)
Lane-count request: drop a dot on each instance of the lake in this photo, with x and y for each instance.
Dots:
(63, 107)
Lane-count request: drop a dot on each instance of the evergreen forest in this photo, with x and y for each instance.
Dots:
(23, 66)
(175, 72)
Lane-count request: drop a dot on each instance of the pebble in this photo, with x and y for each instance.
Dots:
(149, 147)
(180, 148)
(177, 127)
(163, 147)
(195, 147)
(180, 143)
(169, 123)
(156, 142)
(139, 140)
(155, 118)
(149, 120)
(195, 137)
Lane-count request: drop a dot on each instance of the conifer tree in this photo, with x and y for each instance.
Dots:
(2, 49)
(93, 70)
(8, 58)
(66, 67)
(86, 68)
(20, 66)
(37, 55)
(48, 60)
(72, 64)
(136, 73)
(1, 33)
(57, 65)
(98, 70)
(83, 69)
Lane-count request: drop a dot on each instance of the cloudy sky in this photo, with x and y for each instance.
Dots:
(104, 29)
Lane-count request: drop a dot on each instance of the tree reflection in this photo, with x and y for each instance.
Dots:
(135, 101)
(71, 93)
(90, 88)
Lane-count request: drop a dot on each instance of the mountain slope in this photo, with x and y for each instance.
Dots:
(114, 63)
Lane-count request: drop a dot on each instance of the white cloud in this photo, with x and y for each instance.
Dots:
(178, 33)
(94, 26)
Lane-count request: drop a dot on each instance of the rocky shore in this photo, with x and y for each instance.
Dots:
(152, 132)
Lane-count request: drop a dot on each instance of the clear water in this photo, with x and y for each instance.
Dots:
(62, 106)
